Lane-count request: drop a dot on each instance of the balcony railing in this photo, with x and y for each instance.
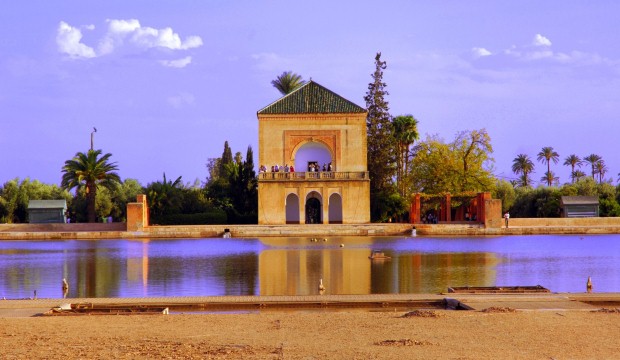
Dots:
(313, 176)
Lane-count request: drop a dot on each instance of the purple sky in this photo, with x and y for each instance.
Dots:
(166, 82)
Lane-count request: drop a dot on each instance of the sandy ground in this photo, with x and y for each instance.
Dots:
(436, 334)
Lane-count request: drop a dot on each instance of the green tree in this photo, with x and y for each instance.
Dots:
(288, 82)
(523, 165)
(546, 155)
(406, 133)
(381, 149)
(127, 192)
(573, 161)
(504, 191)
(474, 150)
(15, 196)
(592, 159)
(90, 171)
(460, 166)
(226, 158)
(164, 198)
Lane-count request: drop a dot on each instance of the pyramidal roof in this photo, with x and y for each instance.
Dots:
(312, 98)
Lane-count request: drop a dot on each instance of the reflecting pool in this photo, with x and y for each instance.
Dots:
(294, 266)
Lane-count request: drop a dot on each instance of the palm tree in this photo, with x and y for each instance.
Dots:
(164, 197)
(601, 169)
(577, 174)
(572, 161)
(549, 178)
(522, 164)
(90, 171)
(406, 133)
(547, 154)
(288, 82)
(592, 159)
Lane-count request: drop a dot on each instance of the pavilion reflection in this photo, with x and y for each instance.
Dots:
(350, 271)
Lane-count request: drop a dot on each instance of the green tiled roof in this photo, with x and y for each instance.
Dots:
(312, 98)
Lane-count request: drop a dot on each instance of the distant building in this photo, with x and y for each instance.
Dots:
(47, 211)
(323, 137)
(579, 206)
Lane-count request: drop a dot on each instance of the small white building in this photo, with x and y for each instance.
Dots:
(579, 206)
(47, 211)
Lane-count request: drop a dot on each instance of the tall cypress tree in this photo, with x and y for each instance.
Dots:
(227, 158)
(380, 143)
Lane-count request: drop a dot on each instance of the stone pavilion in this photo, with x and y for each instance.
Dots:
(312, 153)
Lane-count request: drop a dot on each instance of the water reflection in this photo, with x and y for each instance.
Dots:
(294, 266)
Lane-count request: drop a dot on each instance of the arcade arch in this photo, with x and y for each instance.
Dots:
(335, 209)
(292, 209)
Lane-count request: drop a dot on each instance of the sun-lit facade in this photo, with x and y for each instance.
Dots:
(322, 136)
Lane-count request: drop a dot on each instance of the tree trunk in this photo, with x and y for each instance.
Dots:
(91, 194)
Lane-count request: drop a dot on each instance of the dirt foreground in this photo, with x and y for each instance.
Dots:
(430, 334)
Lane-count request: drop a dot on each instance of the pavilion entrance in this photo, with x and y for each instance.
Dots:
(314, 213)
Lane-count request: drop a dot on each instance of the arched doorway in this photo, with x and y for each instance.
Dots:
(335, 209)
(312, 152)
(292, 209)
(314, 213)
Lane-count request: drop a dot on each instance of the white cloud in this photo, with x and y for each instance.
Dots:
(125, 34)
(179, 63)
(69, 39)
(480, 52)
(145, 37)
(540, 40)
(181, 99)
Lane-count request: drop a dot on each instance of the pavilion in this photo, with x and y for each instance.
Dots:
(322, 136)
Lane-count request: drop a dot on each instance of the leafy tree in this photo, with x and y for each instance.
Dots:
(15, 195)
(506, 193)
(546, 155)
(473, 149)
(381, 149)
(406, 133)
(523, 165)
(288, 82)
(592, 159)
(90, 171)
(127, 192)
(573, 161)
(460, 166)
(164, 198)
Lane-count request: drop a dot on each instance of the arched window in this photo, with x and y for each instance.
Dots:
(292, 209)
(335, 209)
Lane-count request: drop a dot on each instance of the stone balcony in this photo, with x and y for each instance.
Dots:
(314, 176)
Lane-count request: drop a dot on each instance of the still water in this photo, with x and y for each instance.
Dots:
(294, 266)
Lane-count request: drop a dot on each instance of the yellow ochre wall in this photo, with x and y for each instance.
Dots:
(280, 136)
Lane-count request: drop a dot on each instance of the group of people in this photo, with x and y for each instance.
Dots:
(312, 167)
(430, 218)
(277, 168)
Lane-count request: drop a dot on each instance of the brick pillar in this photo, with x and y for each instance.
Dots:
(137, 214)
(414, 213)
(482, 211)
